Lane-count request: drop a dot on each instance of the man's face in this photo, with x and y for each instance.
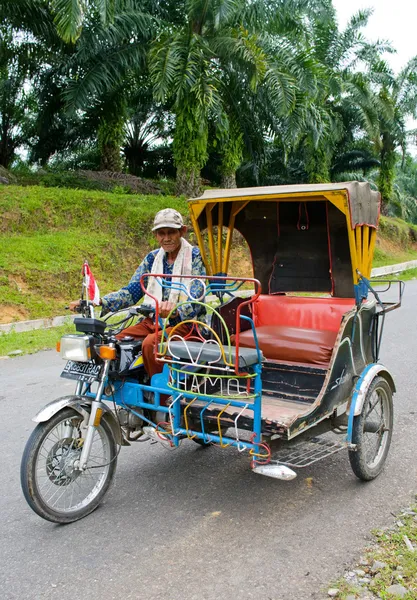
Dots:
(168, 238)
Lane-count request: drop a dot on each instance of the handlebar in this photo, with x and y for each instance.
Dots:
(86, 309)
(142, 309)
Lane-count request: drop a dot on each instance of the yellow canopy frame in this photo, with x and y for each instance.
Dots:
(215, 247)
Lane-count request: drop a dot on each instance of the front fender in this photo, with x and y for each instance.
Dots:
(82, 405)
(361, 389)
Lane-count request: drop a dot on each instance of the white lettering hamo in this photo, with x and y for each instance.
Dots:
(198, 384)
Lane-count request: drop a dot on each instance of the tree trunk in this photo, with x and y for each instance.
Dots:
(110, 158)
(317, 165)
(110, 137)
(7, 150)
(135, 157)
(190, 147)
(188, 182)
(385, 181)
(229, 180)
(232, 154)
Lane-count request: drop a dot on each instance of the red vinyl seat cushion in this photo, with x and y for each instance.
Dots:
(324, 314)
(296, 328)
(293, 344)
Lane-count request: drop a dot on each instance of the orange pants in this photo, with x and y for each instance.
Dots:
(146, 329)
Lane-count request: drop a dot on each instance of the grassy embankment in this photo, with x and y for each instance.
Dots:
(46, 233)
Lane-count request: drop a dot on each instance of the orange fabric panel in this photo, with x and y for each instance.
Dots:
(323, 314)
(296, 344)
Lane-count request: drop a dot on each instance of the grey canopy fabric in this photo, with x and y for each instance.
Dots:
(363, 201)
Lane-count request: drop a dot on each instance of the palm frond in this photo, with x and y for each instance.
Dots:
(104, 74)
(165, 64)
(68, 18)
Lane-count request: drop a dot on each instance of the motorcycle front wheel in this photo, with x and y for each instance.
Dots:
(52, 484)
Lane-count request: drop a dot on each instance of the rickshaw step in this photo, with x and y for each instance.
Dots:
(308, 453)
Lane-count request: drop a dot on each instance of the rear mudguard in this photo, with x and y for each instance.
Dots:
(82, 404)
(361, 388)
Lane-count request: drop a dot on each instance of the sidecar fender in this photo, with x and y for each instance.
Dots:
(364, 382)
(82, 405)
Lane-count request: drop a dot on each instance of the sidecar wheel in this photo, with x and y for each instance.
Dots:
(51, 484)
(372, 431)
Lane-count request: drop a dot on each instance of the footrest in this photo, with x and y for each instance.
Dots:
(307, 453)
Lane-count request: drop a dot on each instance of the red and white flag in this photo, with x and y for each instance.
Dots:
(93, 293)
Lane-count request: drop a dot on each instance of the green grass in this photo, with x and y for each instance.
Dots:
(382, 259)
(33, 341)
(33, 209)
(404, 276)
(46, 234)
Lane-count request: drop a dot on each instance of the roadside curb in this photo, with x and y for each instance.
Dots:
(391, 269)
(21, 326)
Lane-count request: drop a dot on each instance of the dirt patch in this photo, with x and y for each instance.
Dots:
(391, 248)
(240, 261)
(10, 314)
(18, 283)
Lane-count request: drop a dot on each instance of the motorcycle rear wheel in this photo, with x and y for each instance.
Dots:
(51, 483)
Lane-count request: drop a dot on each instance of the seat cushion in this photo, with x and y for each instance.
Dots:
(300, 311)
(210, 352)
(295, 344)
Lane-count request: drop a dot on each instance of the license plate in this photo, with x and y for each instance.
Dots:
(82, 371)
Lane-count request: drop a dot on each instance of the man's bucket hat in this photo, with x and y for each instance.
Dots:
(168, 217)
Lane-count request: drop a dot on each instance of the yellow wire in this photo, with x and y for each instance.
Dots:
(220, 428)
(190, 437)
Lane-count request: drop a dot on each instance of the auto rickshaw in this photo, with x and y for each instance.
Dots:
(282, 361)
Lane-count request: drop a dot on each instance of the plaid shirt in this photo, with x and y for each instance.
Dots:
(132, 293)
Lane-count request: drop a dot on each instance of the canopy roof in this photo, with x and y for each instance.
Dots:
(307, 238)
(363, 202)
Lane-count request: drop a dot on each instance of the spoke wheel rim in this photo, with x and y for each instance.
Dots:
(60, 485)
(376, 419)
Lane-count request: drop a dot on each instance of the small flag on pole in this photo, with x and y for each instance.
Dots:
(91, 287)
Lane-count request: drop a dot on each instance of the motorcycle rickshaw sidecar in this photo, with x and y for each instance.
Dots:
(282, 365)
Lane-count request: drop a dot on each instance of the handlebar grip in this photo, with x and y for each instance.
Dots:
(143, 309)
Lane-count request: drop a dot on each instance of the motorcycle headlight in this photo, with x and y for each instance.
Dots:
(76, 347)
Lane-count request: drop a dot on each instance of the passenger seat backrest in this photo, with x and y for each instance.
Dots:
(322, 314)
(228, 313)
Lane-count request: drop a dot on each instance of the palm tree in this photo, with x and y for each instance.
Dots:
(147, 126)
(210, 64)
(13, 100)
(94, 70)
(395, 101)
(342, 89)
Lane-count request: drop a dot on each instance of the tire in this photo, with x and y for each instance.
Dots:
(48, 455)
(372, 431)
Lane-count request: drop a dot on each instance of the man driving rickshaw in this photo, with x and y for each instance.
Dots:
(176, 257)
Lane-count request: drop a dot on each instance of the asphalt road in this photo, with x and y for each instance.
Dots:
(196, 523)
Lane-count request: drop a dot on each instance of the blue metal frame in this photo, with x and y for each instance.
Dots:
(130, 394)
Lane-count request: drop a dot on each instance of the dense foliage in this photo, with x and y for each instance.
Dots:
(236, 92)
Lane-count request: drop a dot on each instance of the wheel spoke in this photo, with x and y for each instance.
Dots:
(58, 484)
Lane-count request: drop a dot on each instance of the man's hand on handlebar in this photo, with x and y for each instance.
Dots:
(165, 308)
(76, 305)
